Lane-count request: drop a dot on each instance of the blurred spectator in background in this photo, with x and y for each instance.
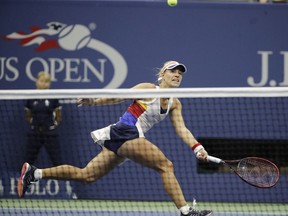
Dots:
(43, 116)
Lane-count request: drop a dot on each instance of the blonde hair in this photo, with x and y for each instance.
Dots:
(44, 74)
(162, 70)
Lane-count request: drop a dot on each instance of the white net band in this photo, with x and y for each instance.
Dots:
(146, 93)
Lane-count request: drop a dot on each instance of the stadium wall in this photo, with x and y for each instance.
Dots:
(119, 44)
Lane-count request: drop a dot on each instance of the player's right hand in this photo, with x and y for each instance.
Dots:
(202, 155)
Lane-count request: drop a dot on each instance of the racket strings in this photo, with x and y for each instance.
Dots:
(258, 172)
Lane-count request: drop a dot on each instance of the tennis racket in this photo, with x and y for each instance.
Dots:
(258, 172)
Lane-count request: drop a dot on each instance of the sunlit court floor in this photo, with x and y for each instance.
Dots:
(129, 208)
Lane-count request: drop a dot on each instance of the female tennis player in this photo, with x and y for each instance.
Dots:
(125, 140)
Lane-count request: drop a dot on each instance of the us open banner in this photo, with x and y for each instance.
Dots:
(118, 44)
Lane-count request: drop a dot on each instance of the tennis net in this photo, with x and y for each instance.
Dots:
(231, 123)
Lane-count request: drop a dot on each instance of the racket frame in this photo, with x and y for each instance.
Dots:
(227, 164)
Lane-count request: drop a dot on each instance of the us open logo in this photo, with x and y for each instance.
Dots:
(71, 38)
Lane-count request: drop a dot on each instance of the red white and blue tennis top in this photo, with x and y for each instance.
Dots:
(144, 115)
(137, 120)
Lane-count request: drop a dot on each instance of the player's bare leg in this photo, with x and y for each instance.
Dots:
(145, 153)
(99, 166)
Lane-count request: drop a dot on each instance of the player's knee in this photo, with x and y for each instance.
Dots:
(170, 166)
(87, 176)
(83, 176)
(167, 166)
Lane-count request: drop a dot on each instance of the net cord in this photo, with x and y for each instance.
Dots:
(145, 93)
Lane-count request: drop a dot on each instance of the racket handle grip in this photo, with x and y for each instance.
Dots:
(214, 159)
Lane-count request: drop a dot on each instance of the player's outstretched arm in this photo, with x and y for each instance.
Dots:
(184, 133)
(98, 101)
(107, 101)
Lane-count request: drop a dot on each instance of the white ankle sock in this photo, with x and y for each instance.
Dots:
(38, 174)
(184, 209)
